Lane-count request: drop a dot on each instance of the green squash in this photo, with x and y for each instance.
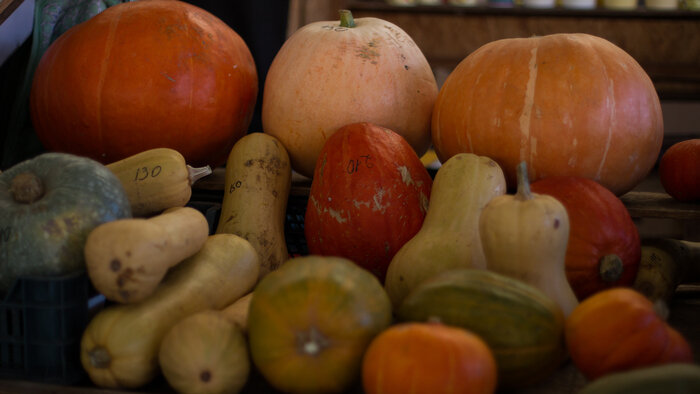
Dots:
(48, 206)
(523, 327)
(657, 379)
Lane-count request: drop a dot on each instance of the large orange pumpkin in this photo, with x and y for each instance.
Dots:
(428, 358)
(328, 74)
(604, 249)
(143, 75)
(369, 196)
(618, 330)
(567, 104)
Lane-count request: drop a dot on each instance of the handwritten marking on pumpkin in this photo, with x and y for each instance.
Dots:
(171, 79)
(526, 114)
(355, 164)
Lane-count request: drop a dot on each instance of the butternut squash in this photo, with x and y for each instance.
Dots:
(157, 179)
(126, 259)
(205, 353)
(525, 237)
(119, 348)
(256, 190)
(665, 264)
(449, 236)
(238, 312)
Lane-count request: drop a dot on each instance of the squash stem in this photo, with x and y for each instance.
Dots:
(523, 192)
(26, 188)
(610, 267)
(346, 19)
(197, 173)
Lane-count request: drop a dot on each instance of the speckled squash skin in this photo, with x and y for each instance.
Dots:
(47, 236)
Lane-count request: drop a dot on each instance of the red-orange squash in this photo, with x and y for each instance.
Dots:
(679, 170)
(618, 330)
(567, 104)
(369, 196)
(428, 358)
(332, 73)
(142, 75)
(604, 249)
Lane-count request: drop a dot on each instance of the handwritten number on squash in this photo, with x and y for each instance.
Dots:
(234, 186)
(144, 173)
(354, 165)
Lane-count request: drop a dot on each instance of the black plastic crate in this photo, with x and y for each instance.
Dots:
(42, 320)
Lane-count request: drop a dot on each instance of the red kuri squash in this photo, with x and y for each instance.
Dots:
(617, 330)
(142, 75)
(567, 104)
(369, 196)
(679, 170)
(604, 248)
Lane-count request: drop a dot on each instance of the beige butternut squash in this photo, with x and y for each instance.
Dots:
(449, 236)
(256, 190)
(120, 345)
(157, 179)
(126, 259)
(205, 353)
(525, 236)
(238, 312)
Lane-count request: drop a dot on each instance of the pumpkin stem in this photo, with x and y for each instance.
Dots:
(26, 188)
(610, 267)
(99, 357)
(197, 173)
(523, 192)
(346, 19)
(311, 342)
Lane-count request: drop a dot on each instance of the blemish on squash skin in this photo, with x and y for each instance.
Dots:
(115, 265)
(556, 223)
(406, 175)
(205, 376)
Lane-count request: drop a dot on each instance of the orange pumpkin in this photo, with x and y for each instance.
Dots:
(567, 104)
(330, 73)
(369, 196)
(142, 75)
(428, 358)
(617, 330)
(604, 249)
(679, 170)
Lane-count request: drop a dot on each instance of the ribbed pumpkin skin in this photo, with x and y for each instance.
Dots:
(368, 197)
(142, 75)
(310, 322)
(47, 237)
(326, 76)
(600, 225)
(679, 170)
(428, 358)
(523, 327)
(567, 104)
(618, 330)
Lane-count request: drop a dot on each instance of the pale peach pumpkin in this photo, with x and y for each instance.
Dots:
(326, 76)
(567, 104)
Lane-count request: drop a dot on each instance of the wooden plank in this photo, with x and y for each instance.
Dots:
(659, 205)
(7, 7)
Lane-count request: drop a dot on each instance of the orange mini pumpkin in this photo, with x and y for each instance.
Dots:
(142, 75)
(617, 330)
(567, 104)
(428, 358)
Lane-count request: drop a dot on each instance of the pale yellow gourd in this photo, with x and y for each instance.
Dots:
(205, 353)
(449, 237)
(525, 236)
(256, 190)
(126, 259)
(157, 179)
(120, 345)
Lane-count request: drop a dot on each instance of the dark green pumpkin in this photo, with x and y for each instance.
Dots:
(522, 326)
(658, 379)
(48, 205)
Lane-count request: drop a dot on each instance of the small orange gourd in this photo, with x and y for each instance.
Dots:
(428, 358)
(618, 330)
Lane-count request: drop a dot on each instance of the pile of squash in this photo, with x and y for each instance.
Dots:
(517, 256)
